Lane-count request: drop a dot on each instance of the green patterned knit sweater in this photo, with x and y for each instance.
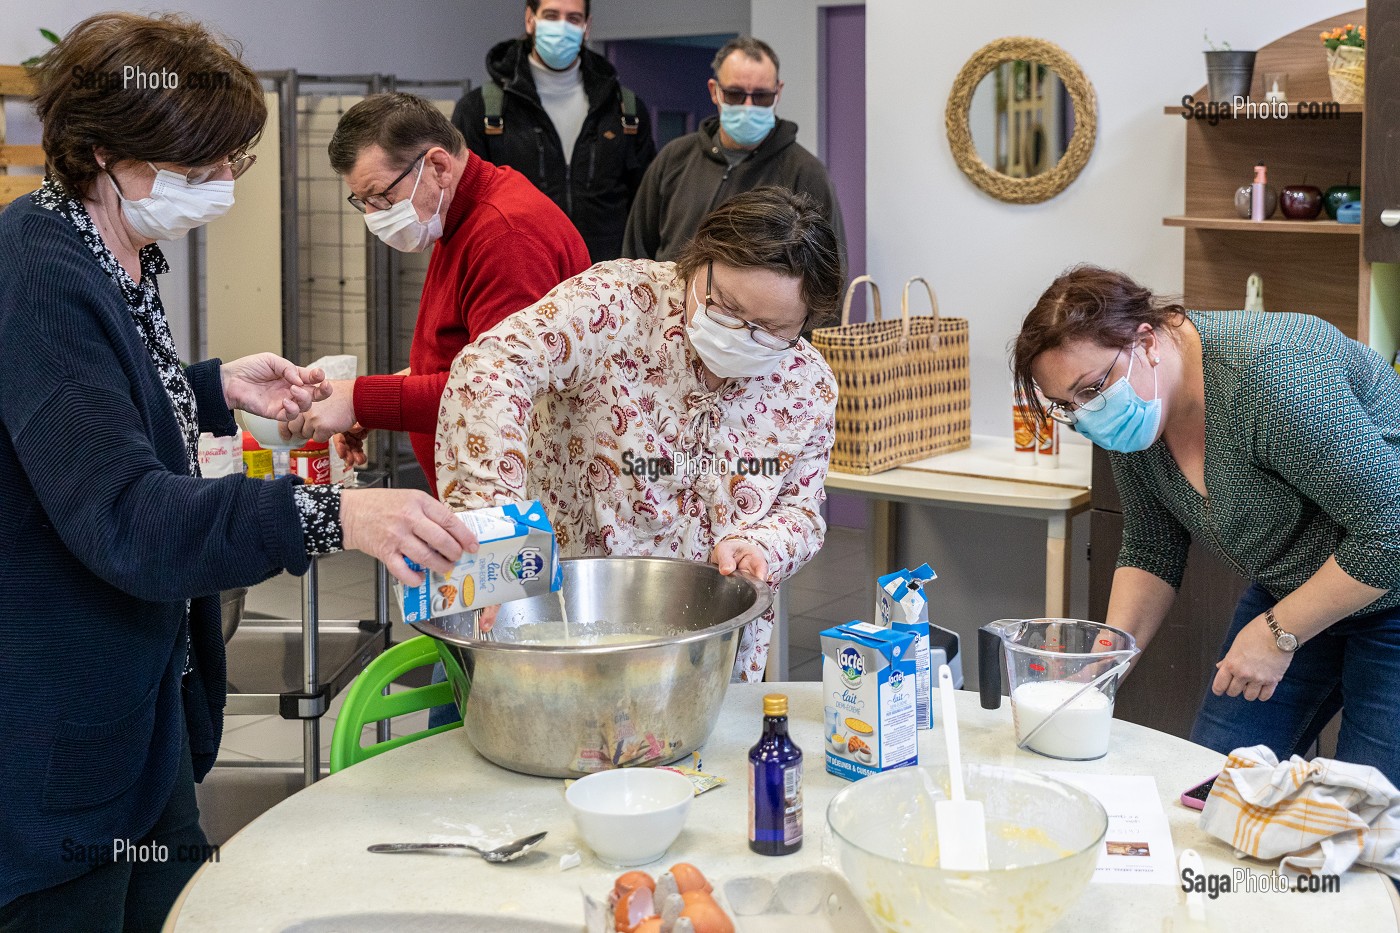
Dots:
(1302, 461)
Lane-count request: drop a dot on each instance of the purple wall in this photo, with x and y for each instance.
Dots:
(667, 77)
(843, 149)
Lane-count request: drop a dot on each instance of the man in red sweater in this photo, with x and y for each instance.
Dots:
(498, 245)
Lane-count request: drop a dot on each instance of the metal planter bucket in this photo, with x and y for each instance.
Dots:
(1229, 74)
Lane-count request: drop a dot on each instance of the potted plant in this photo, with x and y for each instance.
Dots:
(1346, 63)
(1228, 71)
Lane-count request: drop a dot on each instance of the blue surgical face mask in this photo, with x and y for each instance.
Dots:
(557, 41)
(1126, 423)
(746, 124)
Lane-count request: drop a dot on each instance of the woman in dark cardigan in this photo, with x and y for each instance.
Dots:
(112, 678)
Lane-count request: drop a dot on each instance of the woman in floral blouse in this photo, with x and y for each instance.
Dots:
(666, 409)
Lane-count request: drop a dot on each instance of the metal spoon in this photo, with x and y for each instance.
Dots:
(506, 853)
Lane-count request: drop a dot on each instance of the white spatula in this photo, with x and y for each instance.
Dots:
(962, 826)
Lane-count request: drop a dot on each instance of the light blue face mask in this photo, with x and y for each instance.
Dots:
(557, 41)
(1126, 423)
(746, 124)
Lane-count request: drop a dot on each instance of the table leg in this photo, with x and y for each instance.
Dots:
(884, 529)
(311, 674)
(1057, 567)
(777, 667)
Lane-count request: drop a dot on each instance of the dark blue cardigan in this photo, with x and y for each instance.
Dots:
(103, 536)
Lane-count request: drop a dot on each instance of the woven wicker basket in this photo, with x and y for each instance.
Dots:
(903, 388)
(1346, 70)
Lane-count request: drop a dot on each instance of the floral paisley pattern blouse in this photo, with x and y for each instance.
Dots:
(593, 401)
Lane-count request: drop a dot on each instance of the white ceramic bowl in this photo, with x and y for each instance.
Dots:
(630, 816)
(264, 430)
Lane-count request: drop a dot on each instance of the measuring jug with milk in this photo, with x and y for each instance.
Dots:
(1064, 675)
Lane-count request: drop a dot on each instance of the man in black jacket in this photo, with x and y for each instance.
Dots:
(555, 112)
(745, 147)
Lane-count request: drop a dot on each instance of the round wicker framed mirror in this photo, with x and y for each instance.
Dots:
(1036, 115)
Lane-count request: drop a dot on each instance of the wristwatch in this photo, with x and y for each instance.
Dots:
(1285, 641)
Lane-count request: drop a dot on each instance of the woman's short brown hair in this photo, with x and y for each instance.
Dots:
(145, 88)
(1086, 303)
(773, 228)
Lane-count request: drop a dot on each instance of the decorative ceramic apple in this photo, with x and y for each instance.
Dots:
(1301, 202)
(1243, 200)
(1337, 195)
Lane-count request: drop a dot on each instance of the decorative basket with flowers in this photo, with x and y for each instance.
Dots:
(1346, 63)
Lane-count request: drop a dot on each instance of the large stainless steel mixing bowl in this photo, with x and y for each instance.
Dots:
(557, 703)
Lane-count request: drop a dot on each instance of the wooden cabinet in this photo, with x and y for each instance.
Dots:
(1165, 688)
(1310, 266)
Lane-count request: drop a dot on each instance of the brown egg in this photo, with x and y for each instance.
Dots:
(689, 878)
(649, 925)
(632, 908)
(632, 879)
(690, 897)
(706, 916)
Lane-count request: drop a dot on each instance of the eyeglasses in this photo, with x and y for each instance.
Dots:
(381, 202)
(1089, 398)
(198, 176)
(734, 96)
(761, 336)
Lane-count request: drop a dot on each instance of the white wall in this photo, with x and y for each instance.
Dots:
(792, 28)
(656, 19)
(990, 261)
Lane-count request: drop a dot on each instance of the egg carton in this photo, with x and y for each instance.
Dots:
(808, 901)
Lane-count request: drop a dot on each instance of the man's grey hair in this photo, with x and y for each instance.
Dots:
(755, 49)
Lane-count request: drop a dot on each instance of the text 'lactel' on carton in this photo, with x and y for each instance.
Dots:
(868, 688)
(517, 557)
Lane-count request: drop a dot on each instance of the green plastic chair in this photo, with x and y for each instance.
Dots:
(366, 702)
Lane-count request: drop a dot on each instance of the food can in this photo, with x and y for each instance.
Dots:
(312, 463)
(1023, 432)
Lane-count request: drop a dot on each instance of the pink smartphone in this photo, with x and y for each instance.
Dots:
(1195, 798)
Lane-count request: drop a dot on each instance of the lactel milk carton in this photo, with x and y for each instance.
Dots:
(868, 685)
(518, 557)
(902, 605)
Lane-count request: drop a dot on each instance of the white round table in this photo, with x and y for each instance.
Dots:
(304, 861)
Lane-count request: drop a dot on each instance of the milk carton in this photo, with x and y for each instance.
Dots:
(902, 605)
(518, 557)
(868, 678)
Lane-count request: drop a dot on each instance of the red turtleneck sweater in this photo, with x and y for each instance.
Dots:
(504, 246)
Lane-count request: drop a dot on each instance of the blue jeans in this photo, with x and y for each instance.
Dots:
(447, 712)
(1352, 666)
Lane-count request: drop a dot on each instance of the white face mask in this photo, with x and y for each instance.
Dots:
(175, 207)
(728, 353)
(399, 226)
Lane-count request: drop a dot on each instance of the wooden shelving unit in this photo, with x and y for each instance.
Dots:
(1309, 266)
(1273, 225)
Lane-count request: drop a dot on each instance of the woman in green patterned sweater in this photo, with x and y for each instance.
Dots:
(1274, 440)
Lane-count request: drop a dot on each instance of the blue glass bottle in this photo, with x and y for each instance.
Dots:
(775, 784)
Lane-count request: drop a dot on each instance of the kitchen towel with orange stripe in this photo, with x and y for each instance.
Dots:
(1318, 816)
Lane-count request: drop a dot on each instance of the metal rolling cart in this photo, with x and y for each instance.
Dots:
(340, 291)
(294, 669)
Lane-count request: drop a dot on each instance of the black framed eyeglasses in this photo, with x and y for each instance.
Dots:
(1089, 398)
(760, 335)
(734, 96)
(380, 201)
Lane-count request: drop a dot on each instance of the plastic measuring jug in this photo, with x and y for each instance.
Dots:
(1064, 675)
